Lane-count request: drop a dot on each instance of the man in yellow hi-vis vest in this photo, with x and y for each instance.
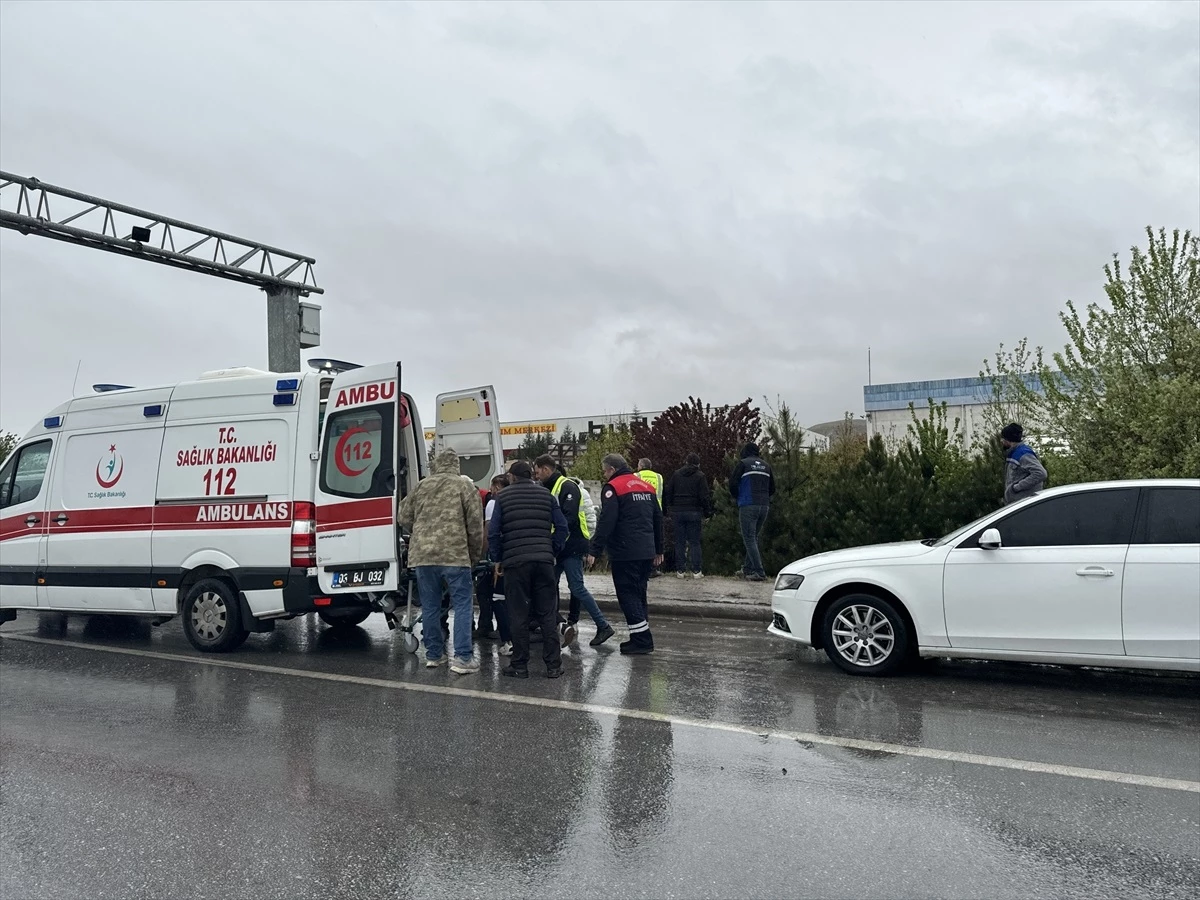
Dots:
(651, 478)
(569, 494)
(655, 481)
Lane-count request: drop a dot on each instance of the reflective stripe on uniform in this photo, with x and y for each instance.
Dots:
(653, 479)
(583, 526)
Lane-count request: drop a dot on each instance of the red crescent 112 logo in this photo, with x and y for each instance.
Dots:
(110, 468)
(353, 453)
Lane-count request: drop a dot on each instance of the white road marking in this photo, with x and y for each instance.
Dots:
(976, 759)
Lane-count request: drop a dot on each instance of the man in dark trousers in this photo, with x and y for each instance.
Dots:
(525, 535)
(570, 499)
(631, 531)
(688, 500)
(752, 483)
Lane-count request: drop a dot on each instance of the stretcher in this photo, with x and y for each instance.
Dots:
(410, 621)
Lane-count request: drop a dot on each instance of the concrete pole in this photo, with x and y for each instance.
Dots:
(283, 329)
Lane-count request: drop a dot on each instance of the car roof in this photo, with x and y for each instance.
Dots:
(1131, 482)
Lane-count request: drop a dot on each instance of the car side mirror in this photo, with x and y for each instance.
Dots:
(990, 540)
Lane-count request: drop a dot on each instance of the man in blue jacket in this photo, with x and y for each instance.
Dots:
(1024, 474)
(752, 483)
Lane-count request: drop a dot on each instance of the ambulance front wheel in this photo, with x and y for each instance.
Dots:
(212, 619)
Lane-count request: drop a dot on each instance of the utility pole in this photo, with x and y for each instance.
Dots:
(285, 277)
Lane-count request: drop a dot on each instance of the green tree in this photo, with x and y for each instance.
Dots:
(616, 439)
(783, 443)
(8, 441)
(534, 445)
(1009, 397)
(1122, 398)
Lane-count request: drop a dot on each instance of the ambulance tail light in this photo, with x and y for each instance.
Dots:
(304, 536)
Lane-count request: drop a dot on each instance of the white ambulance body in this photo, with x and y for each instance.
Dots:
(233, 501)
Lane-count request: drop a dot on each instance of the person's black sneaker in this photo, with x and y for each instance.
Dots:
(629, 648)
(568, 633)
(554, 671)
(756, 577)
(602, 635)
(514, 673)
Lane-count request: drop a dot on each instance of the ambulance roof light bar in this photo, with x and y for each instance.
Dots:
(25, 207)
(332, 366)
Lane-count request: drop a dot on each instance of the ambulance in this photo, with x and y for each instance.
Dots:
(232, 501)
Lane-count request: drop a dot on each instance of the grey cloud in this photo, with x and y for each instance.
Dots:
(726, 200)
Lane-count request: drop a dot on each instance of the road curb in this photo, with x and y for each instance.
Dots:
(695, 609)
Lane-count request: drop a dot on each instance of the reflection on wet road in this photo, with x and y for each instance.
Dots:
(158, 773)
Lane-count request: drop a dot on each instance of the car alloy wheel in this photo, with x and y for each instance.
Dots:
(863, 635)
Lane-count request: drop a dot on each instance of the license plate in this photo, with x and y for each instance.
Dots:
(359, 578)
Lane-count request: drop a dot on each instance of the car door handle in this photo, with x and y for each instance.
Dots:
(32, 520)
(62, 518)
(1098, 571)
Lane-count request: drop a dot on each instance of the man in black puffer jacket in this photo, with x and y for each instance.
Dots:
(688, 500)
(525, 536)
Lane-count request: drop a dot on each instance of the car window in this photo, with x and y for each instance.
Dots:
(1170, 516)
(1079, 519)
(22, 477)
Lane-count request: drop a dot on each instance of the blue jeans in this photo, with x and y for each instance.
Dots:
(429, 586)
(753, 518)
(687, 533)
(573, 566)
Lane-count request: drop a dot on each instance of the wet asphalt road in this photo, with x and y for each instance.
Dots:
(134, 775)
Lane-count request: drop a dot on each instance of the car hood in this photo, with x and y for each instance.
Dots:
(871, 553)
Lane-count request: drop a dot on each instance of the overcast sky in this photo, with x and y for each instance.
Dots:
(595, 206)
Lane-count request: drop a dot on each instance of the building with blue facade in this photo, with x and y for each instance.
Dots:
(887, 405)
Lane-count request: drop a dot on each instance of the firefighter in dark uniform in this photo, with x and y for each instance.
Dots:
(630, 530)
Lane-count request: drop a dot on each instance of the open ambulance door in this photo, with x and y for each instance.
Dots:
(361, 463)
(469, 424)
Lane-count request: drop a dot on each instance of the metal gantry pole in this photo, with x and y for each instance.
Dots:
(283, 329)
(25, 206)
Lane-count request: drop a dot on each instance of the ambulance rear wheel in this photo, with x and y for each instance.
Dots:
(343, 618)
(212, 619)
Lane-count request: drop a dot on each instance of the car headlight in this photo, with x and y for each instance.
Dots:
(788, 582)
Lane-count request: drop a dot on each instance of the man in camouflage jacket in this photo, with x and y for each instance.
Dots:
(445, 518)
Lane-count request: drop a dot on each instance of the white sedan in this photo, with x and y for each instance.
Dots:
(1104, 574)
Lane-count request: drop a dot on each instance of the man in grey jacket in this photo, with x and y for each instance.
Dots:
(1024, 474)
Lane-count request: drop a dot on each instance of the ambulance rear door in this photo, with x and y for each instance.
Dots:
(469, 424)
(361, 454)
